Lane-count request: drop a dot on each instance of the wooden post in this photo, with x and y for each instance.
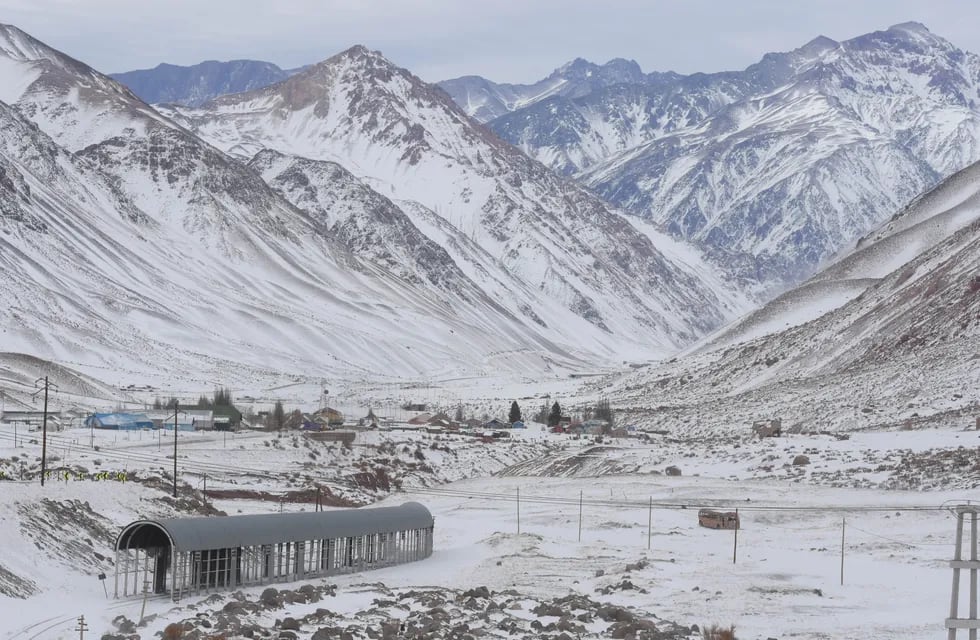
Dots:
(650, 522)
(735, 545)
(580, 516)
(843, 525)
(518, 511)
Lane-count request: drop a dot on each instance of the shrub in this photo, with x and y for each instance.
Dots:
(714, 632)
(173, 631)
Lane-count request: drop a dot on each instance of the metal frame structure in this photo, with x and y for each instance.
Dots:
(188, 556)
(954, 622)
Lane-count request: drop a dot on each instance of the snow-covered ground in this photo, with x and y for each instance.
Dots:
(784, 582)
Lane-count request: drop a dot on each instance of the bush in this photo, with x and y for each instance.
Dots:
(714, 632)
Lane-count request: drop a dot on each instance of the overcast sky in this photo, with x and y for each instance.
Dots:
(506, 41)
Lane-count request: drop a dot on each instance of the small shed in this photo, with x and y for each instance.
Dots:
(712, 519)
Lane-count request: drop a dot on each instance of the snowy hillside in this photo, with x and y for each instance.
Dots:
(590, 268)
(148, 252)
(884, 337)
(786, 161)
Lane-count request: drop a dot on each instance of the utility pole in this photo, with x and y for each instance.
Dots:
(44, 437)
(650, 522)
(843, 524)
(81, 628)
(176, 411)
(735, 544)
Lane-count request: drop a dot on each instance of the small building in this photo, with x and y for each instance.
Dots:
(495, 424)
(184, 556)
(594, 425)
(421, 419)
(346, 438)
(32, 418)
(415, 406)
(119, 421)
(518, 425)
(712, 519)
(331, 416)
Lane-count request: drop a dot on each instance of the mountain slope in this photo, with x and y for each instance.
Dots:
(196, 84)
(785, 161)
(410, 142)
(152, 254)
(885, 336)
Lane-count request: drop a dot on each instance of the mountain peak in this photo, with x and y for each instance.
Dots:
(911, 27)
(18, 45)
(578, 64)
(360, 51)
(818, 45)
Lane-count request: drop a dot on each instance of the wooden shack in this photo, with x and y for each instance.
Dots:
(712, 519)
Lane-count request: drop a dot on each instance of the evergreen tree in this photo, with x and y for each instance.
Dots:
(278, 416)
(555, 416)
(459, 414)
(542, 414)
(604, 412)
(157, 403)
(222, 398)
(515, 412)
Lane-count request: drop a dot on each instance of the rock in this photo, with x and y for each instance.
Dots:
(801, 460)
(389, 630)
(289, 624)
(271, 598)
(124, 624)
(545, 609)
(233, 607)
(599, 573)
(612, 613)
(326, 633)
(641, 564)
(672, 471)
(479, 592)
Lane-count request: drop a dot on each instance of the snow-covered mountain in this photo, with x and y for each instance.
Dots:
(196, 84)
(135, 248)
(149, 254)
(571, 263)
(785, 161)
(486, 100)
(885, 336)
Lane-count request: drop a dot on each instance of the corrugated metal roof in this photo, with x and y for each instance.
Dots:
(195, 534)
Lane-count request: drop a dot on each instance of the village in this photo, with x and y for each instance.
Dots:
(220, 413)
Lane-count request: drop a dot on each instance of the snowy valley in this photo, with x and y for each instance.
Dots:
(796, 244)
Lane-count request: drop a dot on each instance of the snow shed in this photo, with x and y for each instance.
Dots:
(119, 421)
(194, 555)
